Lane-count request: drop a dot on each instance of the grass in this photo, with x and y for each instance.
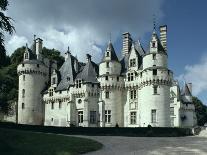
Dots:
(15, 142)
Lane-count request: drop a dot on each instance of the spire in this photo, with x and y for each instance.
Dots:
(110, 53)
(67, 53)
(154, 23)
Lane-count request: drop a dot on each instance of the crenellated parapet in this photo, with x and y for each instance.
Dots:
(49, 100)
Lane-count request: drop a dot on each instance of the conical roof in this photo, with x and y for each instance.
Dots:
(112, 53)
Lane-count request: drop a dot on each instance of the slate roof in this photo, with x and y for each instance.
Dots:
(67, 73)
(89, 73)
(110, 49)
(139, 48)
(186, 91)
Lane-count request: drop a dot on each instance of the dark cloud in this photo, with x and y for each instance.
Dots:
(82, 23)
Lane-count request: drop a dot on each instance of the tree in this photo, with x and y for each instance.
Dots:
(5, 26)
(201, 111)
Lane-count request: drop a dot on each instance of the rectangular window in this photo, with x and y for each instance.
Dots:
(53, 80)
(171, 110)
(60, 105)
(23, 106)
(80, 116)
(92, 117)
(23, 93)
(153, 56)
(133, 94)
(117, 78)
(128, 76)
(132, 62)
(153, 115)
(107, 78)
(79, 83)
(132, 77)
(52, 105)
(107, 116)
(106, 94)
(23, 77)
(154, 72)
(107, 64)
(155, 89)
(51, 92)
(133, 118)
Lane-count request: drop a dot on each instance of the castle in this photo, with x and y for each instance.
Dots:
(136, 91)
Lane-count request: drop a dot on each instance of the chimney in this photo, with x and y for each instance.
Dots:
(163, 36)
(190, 87)
(38, 46)
(88, 57)
(127, 42)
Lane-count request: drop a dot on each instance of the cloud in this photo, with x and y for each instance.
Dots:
(83, 25)
(197, 74)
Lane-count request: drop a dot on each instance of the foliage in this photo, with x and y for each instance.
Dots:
(5, 26)
(201, 111)
(53, 54)
(14, 142)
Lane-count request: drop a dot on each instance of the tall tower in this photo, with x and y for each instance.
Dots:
(33, 76)
(154, 83)
(111, 83)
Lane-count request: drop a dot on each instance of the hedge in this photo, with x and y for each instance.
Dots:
(104, 131)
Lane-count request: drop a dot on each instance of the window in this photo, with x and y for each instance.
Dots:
(155, 89)
(80, 116)
(153, 115)
(78, 83)
(23, 93)
(141, 74)
(92, 117)
(106, 94)
(133, 94)
(68, 78)
(132, 76)
(92, 85)
(22, 65)
(153, 56)
(52, 119)
(23, 77)
(128, 76)
(107, 72)
(60, 92)
(52, 105)
(26, 56)
(107, 78)
(53, 80)
(172, 121)
(23, 106)
(171, 110)
(107, 54)
(51, 92)
(132, 62)
(133, 116)
(154, 71)
(107, 64)
(38, 65)
(153, 44)
(108, 116)
(117, 78)
(60, 104)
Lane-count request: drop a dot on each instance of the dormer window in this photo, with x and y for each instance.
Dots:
(153, 44)
(26, 56)
(53, 80)
(107, 54)
(51, 92)
(132, 62)
(78, 83)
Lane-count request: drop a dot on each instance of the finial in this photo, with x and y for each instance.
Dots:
(68, 49)
(34, 37)
(110, 37)
(154, 22)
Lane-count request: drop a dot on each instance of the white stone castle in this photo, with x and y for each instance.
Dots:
(136, 91)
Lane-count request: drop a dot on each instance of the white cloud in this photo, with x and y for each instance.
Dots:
(197, 74)
(83, 25)
(14, 42)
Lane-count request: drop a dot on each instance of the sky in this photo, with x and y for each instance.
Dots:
(85, 26)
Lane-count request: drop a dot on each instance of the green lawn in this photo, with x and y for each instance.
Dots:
(15, 142)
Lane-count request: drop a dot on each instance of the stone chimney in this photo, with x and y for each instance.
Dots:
(38, 48)
(127, 42)
(163, 36)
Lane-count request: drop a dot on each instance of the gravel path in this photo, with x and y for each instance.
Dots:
(196, 145)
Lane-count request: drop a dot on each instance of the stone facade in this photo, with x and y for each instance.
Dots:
(136, 91)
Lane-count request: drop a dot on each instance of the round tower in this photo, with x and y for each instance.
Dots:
(33, 76)
(111, 84)
(154, 84)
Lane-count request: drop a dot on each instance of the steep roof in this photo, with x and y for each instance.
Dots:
(89, 72)
(186, 91)
(111, 50)
(139, 48)
(67, 73)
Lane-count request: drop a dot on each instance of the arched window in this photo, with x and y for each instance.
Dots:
(23, 93)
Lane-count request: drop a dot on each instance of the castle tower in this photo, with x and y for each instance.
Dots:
(111, 83)
(33, 75)
(154, 83)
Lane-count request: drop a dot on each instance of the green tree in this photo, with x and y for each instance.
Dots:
(5, 26)
(201, 111)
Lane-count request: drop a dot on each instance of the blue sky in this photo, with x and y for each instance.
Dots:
(85, 27)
